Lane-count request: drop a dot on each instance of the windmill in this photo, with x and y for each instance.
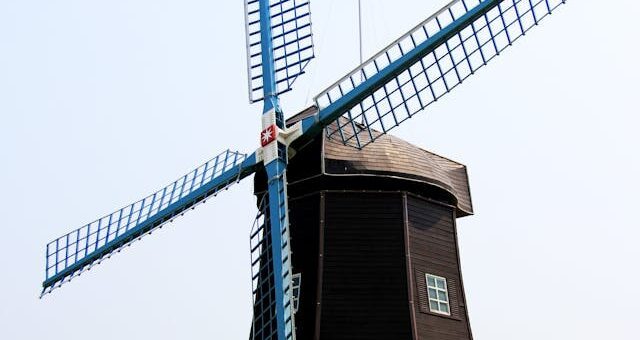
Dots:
(362, 107)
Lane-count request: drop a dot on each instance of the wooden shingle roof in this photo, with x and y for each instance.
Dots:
(392, 157)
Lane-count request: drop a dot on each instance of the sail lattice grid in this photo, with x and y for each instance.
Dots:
(264, 324)
(435, 74)
(78, 250)
(292, 43)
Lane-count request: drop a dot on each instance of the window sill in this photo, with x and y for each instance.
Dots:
(445, 316)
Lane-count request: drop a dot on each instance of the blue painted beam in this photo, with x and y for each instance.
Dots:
(278, 220)
(276, 173)
(313, 125)
(246, 168)
(269, 87)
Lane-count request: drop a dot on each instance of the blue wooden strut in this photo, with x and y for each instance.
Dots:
(276, 174)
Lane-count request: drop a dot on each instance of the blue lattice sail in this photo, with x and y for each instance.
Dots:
(80, 249)
(426, 63)
(292, 43)
(266, 286)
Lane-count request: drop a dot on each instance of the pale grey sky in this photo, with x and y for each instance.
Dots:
(102, 102)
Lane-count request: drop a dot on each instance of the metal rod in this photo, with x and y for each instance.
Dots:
(360, 29)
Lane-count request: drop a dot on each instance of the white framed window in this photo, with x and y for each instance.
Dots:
(297, 281)
(438, 294)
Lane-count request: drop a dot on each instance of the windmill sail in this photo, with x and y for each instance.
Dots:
(264, 281)
(292, 43)
(80, 249)
(423, 65)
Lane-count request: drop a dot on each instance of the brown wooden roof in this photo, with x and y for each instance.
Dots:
(393, 157)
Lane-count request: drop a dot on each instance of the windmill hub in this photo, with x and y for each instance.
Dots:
(271, 133)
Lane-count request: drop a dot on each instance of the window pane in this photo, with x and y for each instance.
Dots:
(431, 281)
(444, 308)
(440, 283)
(432, 293)
(433, 306)
(442, 296)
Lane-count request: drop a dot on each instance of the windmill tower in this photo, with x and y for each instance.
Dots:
(373, 233)
(354, 240)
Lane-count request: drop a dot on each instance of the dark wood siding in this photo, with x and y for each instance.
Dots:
(304, 218)
(434, 250)
(364, 284)
(306, 163)
(363, 238)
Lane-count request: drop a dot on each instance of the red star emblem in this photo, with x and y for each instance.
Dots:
(268, 135)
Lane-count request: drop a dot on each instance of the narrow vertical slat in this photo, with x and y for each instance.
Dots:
(173, 190)
(506, 31)
(126, 226)
(184, 182)
(140, 212)
(46, 261)
(98, 234)
(77, 244)
(119, 222)
(153, 201)
(533, 12)
(106, 239)
(66, 252)
(57, 248)
(204, 173)
(86, 244)
(515, 8)
(193, 180)
(164, 192)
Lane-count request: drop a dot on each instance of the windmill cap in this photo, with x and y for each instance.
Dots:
(390, 158)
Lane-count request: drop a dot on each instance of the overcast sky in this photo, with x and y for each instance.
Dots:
(103, 102)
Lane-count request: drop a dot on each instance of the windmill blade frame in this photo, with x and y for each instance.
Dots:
(272, 273)
(422, 66)
(275, 318)
(72, 253)
(291, 44)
